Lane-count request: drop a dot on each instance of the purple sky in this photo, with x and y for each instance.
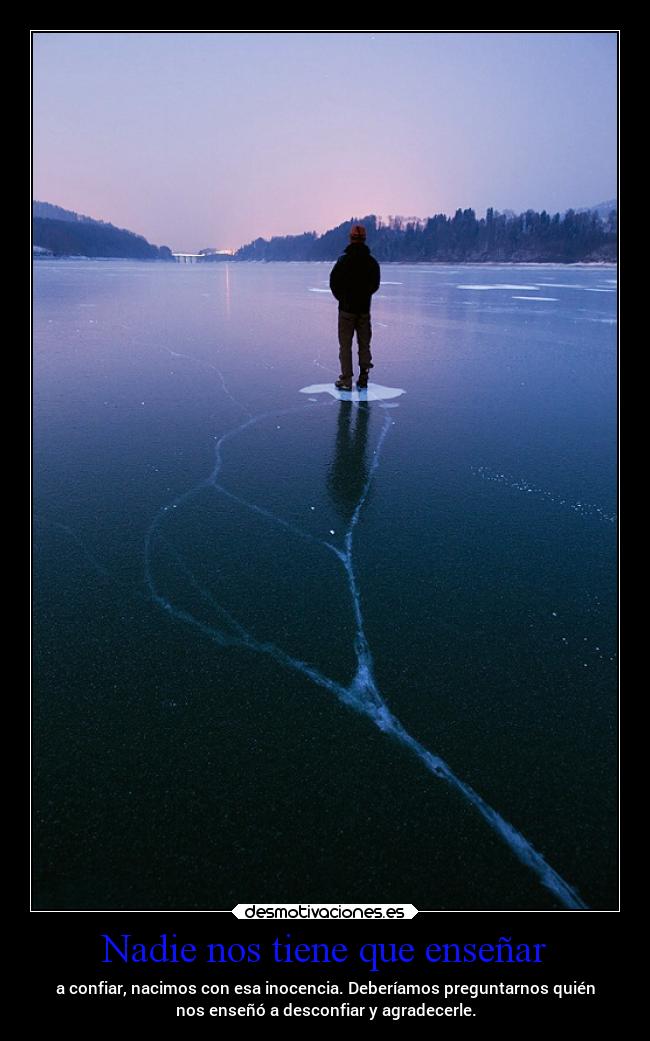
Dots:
(211, 139)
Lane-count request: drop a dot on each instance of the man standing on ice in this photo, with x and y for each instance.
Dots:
(353, 280)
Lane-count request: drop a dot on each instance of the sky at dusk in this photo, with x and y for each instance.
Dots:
(204, 139)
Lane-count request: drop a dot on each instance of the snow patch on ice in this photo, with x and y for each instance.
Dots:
(374, 393)
(565, 285)
(560, 285)
(520, 484)
(503, 285)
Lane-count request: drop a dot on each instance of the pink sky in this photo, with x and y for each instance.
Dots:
(212, 139)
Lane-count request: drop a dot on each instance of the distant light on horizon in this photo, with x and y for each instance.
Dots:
(190, 138)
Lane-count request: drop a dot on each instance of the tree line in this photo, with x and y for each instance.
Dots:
(526, 237)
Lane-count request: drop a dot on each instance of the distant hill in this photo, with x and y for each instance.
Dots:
(66, 233)
(603, 209)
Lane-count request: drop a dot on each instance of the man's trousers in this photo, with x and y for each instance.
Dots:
(348, 325)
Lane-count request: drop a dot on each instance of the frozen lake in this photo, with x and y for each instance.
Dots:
(290, 647)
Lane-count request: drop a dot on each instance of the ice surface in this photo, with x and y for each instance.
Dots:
(362, 694)
(375, 392)
(222, 379)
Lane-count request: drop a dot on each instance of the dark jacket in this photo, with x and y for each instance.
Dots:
(354, 278)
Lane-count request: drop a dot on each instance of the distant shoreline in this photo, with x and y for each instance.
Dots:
(384, 263)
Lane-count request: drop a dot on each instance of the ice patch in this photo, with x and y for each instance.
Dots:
(384, 283)
(500, 286)
(565, 285)
(550, 299)
(312, 289)
(560, 285)
(374, 393)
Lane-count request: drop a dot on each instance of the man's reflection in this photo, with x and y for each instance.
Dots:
(348, 473)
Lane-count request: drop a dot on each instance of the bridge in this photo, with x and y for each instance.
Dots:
(188, 258)
(196, 258)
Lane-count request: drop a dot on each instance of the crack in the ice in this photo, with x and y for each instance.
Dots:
(362, 693)
(214, 368)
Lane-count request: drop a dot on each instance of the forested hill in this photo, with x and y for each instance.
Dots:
(66, 233)
(527, 237)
